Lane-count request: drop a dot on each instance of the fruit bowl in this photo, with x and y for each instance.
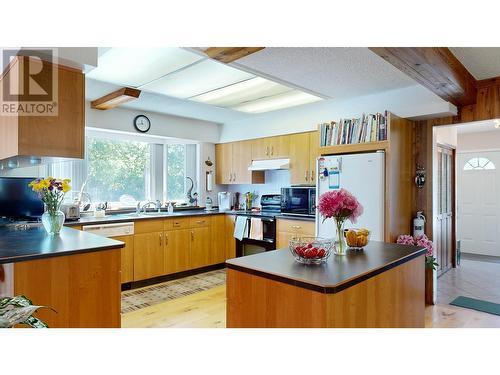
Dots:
(310, 250)
(357, 239)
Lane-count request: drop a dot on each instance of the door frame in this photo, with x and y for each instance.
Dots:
(453, 201)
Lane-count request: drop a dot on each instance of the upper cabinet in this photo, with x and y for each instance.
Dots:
(271, 148)
(232, 162)
(304, 149)
(38, 135)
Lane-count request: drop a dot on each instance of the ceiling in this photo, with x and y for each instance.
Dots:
(479, 127)
(481, 62)
(337, 73)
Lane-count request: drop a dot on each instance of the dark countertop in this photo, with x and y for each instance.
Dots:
(336, 274)
(34, 243)
(117, 218)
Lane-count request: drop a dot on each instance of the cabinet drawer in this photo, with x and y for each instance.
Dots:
(199, 221)
(148, 226)
(176, 223)
(302, 227)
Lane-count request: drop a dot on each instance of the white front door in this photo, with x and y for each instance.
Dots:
(478, 202)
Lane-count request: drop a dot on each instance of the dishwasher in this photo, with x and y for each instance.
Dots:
(111, 230)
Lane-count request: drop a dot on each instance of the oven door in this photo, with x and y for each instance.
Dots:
(295, 201)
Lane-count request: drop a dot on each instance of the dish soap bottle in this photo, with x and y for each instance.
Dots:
(170, 208)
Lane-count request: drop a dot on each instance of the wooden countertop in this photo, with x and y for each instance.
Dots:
(336, 274)
(34, 243)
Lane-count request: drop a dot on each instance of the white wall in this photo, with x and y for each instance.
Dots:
(446, 135)
(483, 141)
(120, 119)
(409, 102)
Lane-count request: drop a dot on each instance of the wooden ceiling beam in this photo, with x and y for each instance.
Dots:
(436, 68)
(115, 98)
(230, 54)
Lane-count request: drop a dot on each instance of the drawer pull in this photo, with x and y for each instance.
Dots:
(296, 226)
(200, 221)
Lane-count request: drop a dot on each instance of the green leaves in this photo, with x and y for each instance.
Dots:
(430, 262)
(19, 310)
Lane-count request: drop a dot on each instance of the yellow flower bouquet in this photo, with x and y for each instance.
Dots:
(51, 191)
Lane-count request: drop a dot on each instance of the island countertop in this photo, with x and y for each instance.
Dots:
(34, 243)
(336, 274)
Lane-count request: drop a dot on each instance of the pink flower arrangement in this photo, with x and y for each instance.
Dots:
(422, 241)
(339, 204)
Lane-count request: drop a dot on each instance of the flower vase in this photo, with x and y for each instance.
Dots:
(53, 221)
(340, 243)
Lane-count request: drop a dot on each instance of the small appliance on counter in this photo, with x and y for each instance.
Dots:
(298, 201)
(208, 204)
(225, 200)
(71, 211)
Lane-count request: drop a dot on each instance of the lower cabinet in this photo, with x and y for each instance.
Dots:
(229, 236)
(177, 244)
(149, 255)
(127, 258)
(286, 229)
(200, 247)
(218, 234)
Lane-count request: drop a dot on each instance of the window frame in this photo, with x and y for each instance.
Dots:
(469, 164)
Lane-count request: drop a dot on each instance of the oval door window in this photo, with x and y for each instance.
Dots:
(478, 164)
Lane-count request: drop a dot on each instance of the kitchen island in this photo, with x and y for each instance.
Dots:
(77, 274)
(380, 286)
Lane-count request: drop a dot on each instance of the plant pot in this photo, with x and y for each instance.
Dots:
(53, 222)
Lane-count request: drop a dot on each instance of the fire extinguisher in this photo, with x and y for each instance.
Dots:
(418, 224)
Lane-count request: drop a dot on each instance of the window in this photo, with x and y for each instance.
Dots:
(476, 164)
(121, 170)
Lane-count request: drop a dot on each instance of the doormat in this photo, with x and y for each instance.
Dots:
(477, 304)
(137, 299)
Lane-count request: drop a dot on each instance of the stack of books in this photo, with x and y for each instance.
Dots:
(368, 128)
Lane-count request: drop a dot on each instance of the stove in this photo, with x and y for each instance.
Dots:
(270, 207)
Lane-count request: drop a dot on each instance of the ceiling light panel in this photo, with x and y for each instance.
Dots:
(207, 75)
(285, 100)
(138, 66)
(242, 92)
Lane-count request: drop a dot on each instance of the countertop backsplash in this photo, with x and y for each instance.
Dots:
(275, 180)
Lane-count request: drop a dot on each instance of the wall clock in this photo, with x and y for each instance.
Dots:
(142, 123)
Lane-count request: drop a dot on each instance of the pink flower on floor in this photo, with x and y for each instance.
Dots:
(339, 204)
(405, 239)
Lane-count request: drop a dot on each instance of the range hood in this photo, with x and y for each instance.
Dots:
(269, 165)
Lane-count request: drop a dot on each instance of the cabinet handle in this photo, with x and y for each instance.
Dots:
(272, 150)
(161, 235)
(234, 177)
(306, 175)
(312, 175)
(166, 239)
(200, 221)
(296, 226)
(230, 176)
(267, 150)
(192, 236)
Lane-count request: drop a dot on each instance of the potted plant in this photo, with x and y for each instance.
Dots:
(51, 191)
(430, 261)
(340, 205)
(19, 310)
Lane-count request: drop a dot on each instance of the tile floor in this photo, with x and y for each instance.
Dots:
(472, 278)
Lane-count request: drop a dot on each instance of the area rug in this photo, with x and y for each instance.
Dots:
(477, 304)
(136, 299)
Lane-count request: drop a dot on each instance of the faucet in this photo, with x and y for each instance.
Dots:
(138, 209)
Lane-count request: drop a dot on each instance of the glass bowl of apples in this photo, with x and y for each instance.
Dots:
(357, 239)
(311, 250)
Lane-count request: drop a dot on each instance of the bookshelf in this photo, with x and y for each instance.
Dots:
(351, 137)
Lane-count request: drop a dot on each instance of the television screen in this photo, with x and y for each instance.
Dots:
(17, 200)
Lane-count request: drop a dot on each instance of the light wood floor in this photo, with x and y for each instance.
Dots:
(207, 309)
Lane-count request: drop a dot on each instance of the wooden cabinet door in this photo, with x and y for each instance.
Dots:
(260, 149)
(126, 258)
(242, 158)
(287, 229)
(300, 159)
(177, 250)
(279, 147)
(229, 237)
(223, 163)
(200, 247)
(313, 154)
(149, 259)
(218, 240)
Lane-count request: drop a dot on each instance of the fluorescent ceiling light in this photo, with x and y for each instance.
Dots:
(137, 66)
(246, 91)
(207, 75)
(287, 99)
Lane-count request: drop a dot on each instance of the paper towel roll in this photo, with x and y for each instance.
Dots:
(209, 181)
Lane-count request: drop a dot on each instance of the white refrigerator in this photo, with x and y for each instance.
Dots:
(364, 176)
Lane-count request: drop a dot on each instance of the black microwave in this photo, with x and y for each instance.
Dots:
(298, 201)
